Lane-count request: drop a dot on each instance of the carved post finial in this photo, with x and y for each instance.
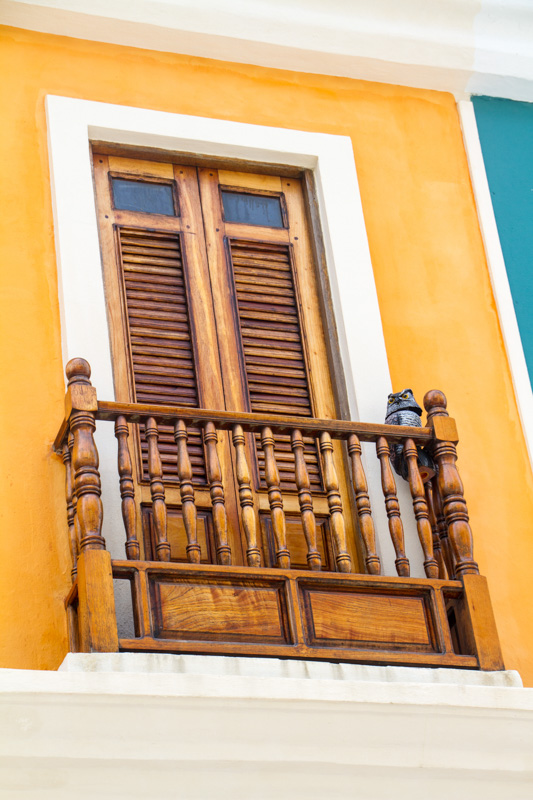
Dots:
(78, 370)
(435, 404)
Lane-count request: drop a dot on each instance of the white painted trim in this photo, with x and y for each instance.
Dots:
(498, 272)
(198, 736)
(459, 46)
(73, 123)
(282, 669)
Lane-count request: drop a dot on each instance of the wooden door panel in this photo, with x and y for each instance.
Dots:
(163, 332)
(221, 315)
(273, 349)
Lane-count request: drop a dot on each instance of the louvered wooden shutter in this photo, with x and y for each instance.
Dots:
(160, 335)
(272, 345)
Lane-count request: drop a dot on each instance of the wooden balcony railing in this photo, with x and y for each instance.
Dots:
(444, 619)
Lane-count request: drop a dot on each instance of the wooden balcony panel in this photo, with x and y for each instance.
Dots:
(255, 610)
(296, 614)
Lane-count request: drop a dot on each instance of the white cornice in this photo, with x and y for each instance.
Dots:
(462, 46)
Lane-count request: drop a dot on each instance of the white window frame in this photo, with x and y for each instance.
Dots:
(74, 123)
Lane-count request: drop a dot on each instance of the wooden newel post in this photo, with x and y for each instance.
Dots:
(98, 626)
(450, 484)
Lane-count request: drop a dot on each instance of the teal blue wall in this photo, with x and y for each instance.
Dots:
(506, 133)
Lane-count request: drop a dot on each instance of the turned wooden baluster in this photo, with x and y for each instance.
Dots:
(157, 490)
(364, 509)
(450, 484)
(305, 499)
(76, 521)
(331, 481)
(188, 507)
(275, 500)
(87, 485)
(437, 548)
(127, 489)
(216, 490)
(246, 498)
(392, 507)
(67, 461)
(420, 507)
(442, 529)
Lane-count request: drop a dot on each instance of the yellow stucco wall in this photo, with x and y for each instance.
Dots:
(438, 311)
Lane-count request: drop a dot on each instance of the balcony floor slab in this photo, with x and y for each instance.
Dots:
(276, 668)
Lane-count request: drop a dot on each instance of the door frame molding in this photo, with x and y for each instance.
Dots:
(73, 124)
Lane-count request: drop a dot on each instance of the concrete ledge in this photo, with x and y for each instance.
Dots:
(181, 729)
(230, 666)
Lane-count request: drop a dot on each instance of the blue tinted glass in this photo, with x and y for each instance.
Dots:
(153, 198)
(252, 209)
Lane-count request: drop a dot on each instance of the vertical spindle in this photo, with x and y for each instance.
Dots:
(246, 498)
(420, 507)
(331, 481)
(77, 534)
(67, 461)
(127, 489)
(157, 490)
(275, 500)
(442, 529)
(450, 484)
(188, 506)
(437, 547)
(305, 500)
(392, 507)
(216, 490)
(364, 509)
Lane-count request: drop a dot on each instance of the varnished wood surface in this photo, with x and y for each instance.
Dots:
(341, 429)
(450, 485)
(208, 314)
(216, 488)
(275, 499)
(296, 614)
(97, 618)
(364, 509)
(215, 314)
(305, 500)
(479, 623)
(299, 651)
(331, 481)
(392, 506)
(81, 398)
(127, 489)
(222, 612)
(246, 498)
(333, 578)
(382, 620)
(420, 508)
(185, 476)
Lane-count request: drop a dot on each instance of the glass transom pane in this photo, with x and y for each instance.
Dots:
(152, 198)
(252, 209)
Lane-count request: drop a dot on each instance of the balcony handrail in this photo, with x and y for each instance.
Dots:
(250, 423)
(438, 507)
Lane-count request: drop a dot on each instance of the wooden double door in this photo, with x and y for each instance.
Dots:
(212, 303)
